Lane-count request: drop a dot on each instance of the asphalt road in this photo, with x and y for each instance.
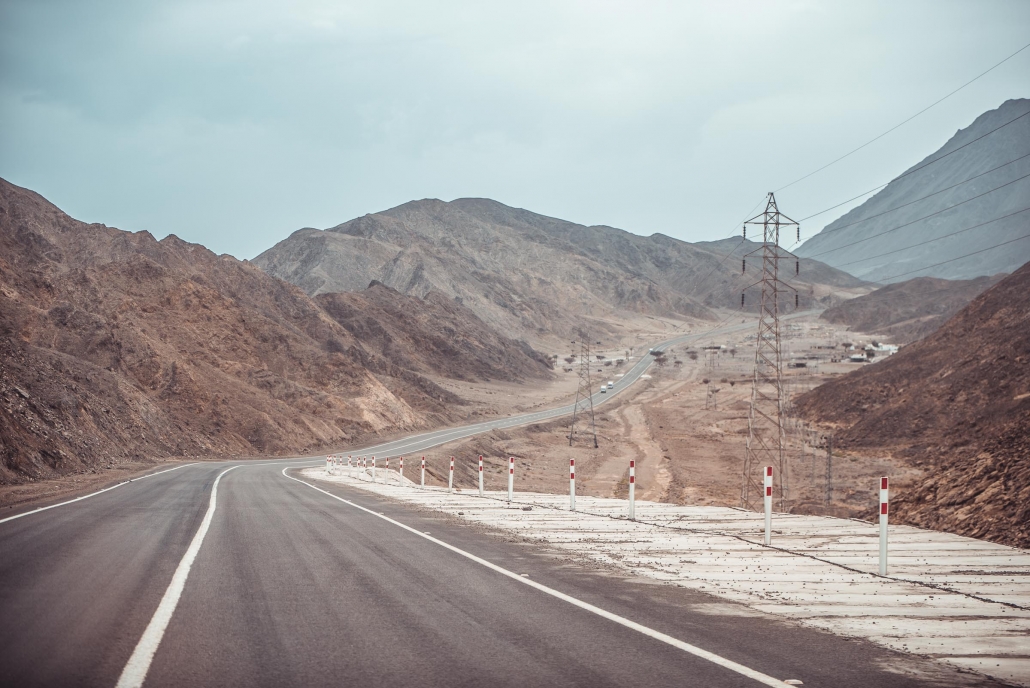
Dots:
(286, 585)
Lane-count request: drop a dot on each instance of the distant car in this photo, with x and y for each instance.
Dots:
(604, 390)
(610, 384)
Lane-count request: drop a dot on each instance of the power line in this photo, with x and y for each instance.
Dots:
(938, 212)
(916, 169)
(952, 260)
(923, 198)
(906, 121)
(928, 241)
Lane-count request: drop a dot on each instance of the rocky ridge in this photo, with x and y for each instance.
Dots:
(114, 345)
(956, 405)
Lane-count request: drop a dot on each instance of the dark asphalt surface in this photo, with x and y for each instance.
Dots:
(294, 588)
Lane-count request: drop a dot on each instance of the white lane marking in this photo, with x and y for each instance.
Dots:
(135, 671)
(93, 494)
(764, 679)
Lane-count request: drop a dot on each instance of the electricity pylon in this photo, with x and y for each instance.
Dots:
(584, 393)
(766, 437)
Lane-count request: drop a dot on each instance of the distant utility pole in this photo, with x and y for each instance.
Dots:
(829, 469)
(766, 438)
(584, 392)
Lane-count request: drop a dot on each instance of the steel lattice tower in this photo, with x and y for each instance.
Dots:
(584, 393)
(766, 437)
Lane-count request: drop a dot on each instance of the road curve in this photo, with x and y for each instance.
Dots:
(295, 586)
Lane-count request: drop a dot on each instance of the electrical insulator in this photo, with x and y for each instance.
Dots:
(742, 299)
(797, 267)
(745, 232)
(795, 300)
(799, 232)
(743, 265)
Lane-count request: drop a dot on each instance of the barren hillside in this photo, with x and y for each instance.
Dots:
(957, 404)
(431, 335)
(910, 310)
(967, 196)
(526, 274)
(113, 345)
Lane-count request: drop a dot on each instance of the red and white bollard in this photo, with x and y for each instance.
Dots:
(450, 477)
(350, 466)
(423, 471)
(480, 475)
(883, 526)
(373, 469)
(768, 505)
(400, 476)
(572, 484)
(511, 477)
(387, 468)
(327, 464)
(632, 484)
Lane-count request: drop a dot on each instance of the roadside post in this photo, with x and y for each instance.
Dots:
(423, 471)
(373, 469)
(480, 475)
(883, 526)
(400, 477)
(511, 477)
(632, 484)
(327, 464)
(450, 477)
(387, 478)
(572, 484)
(350, 466)
(768, 505)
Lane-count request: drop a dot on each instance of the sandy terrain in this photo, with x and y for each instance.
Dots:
(687, 453)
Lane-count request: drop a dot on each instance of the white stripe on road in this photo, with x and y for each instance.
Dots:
(621, 620)
(135, 671)
(92, 494)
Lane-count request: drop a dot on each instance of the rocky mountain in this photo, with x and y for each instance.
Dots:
(930, 214)
(434, 335)
(906, 311)
(957, 405)
(114, 344)
(519, 271)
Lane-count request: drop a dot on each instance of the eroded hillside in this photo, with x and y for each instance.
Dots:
(117, 345)
(957, 405)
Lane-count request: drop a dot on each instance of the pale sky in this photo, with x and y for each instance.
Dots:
(234, 123)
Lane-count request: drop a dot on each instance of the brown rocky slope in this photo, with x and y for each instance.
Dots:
(114, 345)
(957, 405)
(907, 311)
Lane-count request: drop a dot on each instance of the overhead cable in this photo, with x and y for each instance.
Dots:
(873, 140)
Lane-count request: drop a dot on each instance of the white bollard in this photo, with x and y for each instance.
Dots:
(450, 477)
(883, 526)
(373, 469)
(480, 475)
(327, 464)
(572, 484)
(632, 484)
(511, 477)
(350, 466)
(423, 471)
(387, 478)
(768, 505)
(400, 476)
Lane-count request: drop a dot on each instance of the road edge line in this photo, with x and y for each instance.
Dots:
(621, 620)
(94, 494)
(135, 671)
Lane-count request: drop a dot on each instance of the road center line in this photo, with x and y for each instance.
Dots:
(93, 494)
(135, 671)
(622, 621)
